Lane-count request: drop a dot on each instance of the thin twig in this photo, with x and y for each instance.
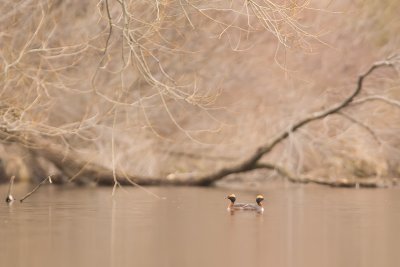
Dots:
(393, 102)
(116, 183)
(37, 187)
(362, 125)
(137, 185)
(10, 197)
(110, 28)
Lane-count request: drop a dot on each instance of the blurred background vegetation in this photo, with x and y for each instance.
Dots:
(161, 88)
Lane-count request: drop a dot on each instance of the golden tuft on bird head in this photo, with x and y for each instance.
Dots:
(231, 197)
(259, 198)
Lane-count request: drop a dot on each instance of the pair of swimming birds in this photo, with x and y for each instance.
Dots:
(245, 206)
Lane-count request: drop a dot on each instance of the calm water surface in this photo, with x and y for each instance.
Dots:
(301, 226)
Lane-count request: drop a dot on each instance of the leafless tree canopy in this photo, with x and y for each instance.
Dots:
(152, 91)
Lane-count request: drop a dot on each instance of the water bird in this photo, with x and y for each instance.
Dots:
(256, 207)
(245, 206)
(232, 206)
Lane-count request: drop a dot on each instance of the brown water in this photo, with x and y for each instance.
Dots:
(301, 226)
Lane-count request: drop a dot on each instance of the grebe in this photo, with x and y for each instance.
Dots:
(232, 206)
(245, 206)
(256, 207)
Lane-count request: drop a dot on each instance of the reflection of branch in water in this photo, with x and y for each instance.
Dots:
(37, 187)
(9, 197)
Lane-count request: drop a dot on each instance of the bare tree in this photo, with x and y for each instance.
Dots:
(97, 96)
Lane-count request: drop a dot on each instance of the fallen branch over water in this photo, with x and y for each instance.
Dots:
(73, 166)
(251, 163)
(36, 188)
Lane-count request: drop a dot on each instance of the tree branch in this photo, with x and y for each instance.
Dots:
(36, 188)
(362, 125)
(353, 182)
(74, 166)
(251, 162)
(384, 99)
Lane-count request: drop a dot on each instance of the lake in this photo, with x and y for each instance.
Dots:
(302, 225)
